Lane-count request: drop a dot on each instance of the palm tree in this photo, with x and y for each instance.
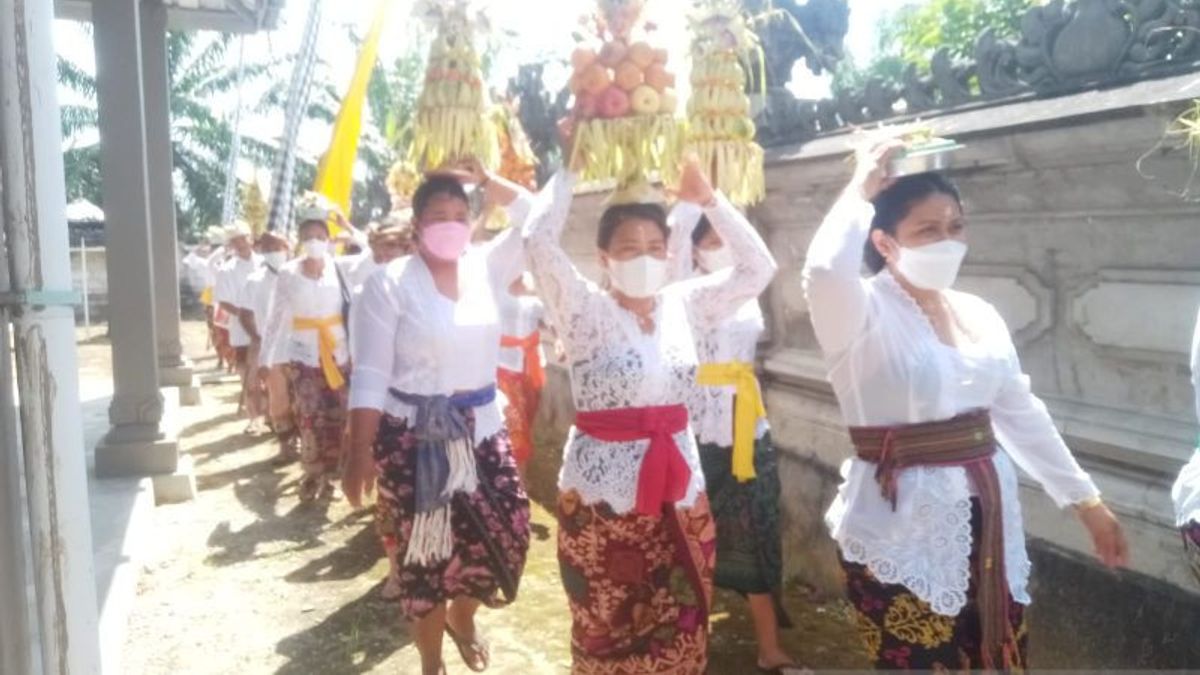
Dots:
(200, 72)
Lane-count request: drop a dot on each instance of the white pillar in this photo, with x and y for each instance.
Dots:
(47, 582)
(137, 442)
(174, 369)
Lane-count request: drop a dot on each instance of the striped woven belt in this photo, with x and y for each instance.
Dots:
(967, 441)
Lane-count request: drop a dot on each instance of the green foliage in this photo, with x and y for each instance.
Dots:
(914, 31)
(200, 71)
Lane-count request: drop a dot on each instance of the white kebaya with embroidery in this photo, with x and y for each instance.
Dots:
(613, 363)
(735, 338)
(888, 367)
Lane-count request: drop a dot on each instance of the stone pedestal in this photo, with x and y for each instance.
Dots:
(142, 450)
(182, 376)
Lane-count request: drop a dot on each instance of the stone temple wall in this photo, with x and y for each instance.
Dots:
(1095, 265)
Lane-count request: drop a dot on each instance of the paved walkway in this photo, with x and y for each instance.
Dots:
(247, 580)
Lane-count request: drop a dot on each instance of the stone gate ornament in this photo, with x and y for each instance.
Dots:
(1063, 47)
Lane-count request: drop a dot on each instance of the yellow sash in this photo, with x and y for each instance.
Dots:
(206, 298)
(327, 344)
(747, 411)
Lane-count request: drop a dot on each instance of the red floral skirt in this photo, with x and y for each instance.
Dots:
(639, 587)
(320, 419)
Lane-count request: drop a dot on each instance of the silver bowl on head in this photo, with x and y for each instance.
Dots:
(923, 159)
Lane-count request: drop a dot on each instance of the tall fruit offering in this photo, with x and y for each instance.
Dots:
(452, 121)
(624, 98)
(719, 129)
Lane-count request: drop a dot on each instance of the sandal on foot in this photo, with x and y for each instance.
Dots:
(478, 648)
(309, 489)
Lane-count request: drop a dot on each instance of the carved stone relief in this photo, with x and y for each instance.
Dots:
(1140, 310)
(1021, 298)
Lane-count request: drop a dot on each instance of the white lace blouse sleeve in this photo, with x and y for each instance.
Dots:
(833, 283)
(375, 321)
(561, 286)
(683, 219)
(1027, 433)
(1196, 364)
(714, 298)
(278, 327)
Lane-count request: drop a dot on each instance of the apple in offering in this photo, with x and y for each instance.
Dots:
(622, 80)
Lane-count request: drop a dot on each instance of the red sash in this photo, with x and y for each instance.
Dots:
(664, 476)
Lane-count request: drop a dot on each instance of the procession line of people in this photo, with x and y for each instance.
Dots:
(414, 369)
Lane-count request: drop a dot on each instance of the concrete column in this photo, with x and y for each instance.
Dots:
(174, 369)
(47, 583)
(139, 442)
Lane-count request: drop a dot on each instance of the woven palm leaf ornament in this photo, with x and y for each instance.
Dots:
(719, 129)
(518, 163)
(624, 98)
(402, 182)
(452, 120)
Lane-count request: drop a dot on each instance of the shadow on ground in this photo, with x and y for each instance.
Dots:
(354, 639)
(357, 556)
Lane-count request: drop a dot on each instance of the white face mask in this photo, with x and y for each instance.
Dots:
(932, 267)
(275, 259)
(639, 278)
(715, 259)
(315, 249)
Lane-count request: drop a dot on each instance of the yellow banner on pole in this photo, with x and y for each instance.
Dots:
(335, 174)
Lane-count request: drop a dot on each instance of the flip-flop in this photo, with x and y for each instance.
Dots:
(479, 647)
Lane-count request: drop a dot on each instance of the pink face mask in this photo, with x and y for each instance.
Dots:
(445, 240)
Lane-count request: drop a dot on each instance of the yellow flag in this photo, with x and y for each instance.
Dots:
(335, 175)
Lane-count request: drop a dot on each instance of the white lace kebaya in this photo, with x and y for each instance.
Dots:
(888, 367)
(735, 338)
(613, 363)
(410, 337)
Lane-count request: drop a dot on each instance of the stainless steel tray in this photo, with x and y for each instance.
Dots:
(923, 161)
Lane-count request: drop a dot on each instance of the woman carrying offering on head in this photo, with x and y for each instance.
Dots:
(940, 414)
(741, 471)
(425, 419)
(635, 540)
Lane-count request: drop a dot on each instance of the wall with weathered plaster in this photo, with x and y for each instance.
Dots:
(1096, 268)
